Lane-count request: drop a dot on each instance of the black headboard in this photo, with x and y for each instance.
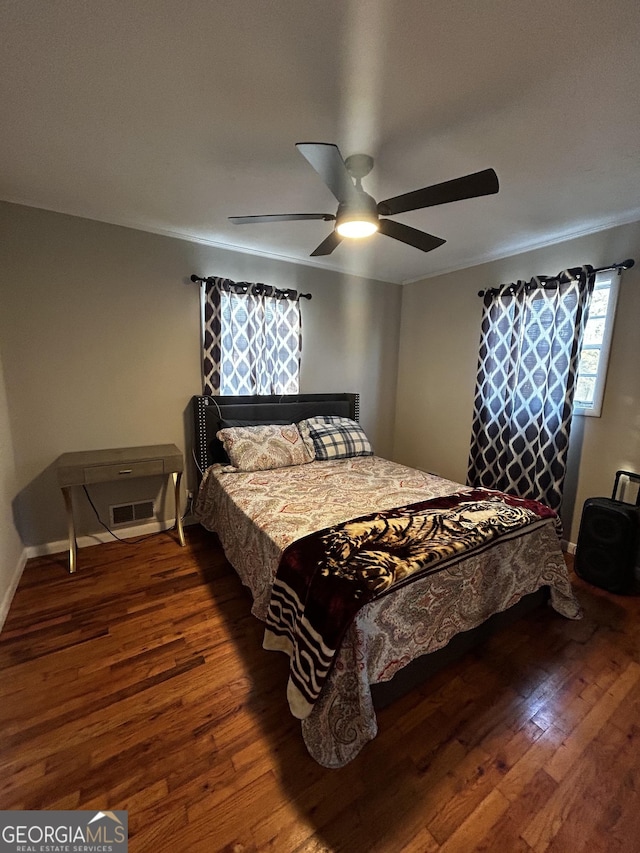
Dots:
(284, 408)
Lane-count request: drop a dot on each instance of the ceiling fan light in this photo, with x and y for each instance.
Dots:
(359, 226)
(357, 217)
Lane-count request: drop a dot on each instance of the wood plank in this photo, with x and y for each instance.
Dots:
(140, 683)
(478, 824)
(574, 745)
(567, 804)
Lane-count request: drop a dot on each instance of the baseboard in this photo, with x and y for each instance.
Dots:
(7, 598)
(104, 536)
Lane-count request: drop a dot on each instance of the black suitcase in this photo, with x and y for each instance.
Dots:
(609, 540)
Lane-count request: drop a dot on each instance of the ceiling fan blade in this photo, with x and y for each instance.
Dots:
(328, 245)
(279, 217)
(327, 160)
(420, 239)
(470, 186)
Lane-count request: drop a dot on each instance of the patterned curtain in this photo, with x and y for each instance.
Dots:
(529, 350)
(252, 339)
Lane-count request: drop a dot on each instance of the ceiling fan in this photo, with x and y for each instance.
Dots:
(358, 214)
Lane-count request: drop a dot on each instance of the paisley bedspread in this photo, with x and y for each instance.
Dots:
(326, 577)
(258, 516)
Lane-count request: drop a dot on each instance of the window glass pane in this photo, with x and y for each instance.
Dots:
(599, 302)
(596, 343)
(589, 360)
(585, 390)
(594, 332)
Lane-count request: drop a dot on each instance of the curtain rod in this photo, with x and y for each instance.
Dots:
(277, 291)
(622, 265)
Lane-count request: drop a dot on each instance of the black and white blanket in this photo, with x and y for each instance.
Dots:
(324, 578)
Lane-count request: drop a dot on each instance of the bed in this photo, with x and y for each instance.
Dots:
(361, 568)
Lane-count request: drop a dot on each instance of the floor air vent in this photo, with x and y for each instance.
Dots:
(126, 513)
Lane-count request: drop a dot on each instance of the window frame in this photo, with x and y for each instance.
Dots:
(610, 279)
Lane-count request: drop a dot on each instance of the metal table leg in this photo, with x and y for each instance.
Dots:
(73, 547)
(177, 476)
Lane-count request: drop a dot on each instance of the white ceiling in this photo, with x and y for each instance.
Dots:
(172, 116)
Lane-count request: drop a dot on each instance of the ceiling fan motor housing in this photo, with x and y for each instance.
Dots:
(360, 206)
(359, 165)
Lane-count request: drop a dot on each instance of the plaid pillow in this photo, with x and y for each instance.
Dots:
(335, 437)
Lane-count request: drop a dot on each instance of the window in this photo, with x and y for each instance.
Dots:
(251, 338)
(594, 356)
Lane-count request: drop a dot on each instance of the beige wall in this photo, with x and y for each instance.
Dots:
(440, 331)
(11, 550)
(100, 341)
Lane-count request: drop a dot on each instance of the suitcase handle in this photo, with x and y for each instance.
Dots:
(631, 476)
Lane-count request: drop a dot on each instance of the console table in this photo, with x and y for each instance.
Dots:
(122, 463)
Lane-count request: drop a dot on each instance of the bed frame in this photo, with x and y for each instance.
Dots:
(284, 408)
(208, 411)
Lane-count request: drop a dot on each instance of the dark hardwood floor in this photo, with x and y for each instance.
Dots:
(140, 684)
